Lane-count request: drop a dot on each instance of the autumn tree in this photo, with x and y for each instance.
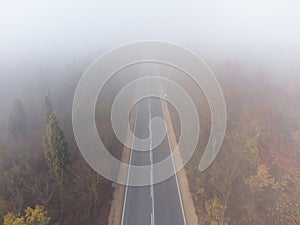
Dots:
(214, 210)
(33, 216)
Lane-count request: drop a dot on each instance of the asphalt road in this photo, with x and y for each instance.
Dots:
(158, 204)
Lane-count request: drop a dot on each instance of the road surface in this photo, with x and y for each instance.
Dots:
(158, 204)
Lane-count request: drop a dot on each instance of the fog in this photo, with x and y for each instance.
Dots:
(43, 39)
(39, 33)
(253, 47)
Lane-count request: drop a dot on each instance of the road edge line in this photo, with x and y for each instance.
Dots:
(115, 216)
(173, 162)
(185, 196)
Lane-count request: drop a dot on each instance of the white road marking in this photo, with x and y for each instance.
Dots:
(178, 188)
(152, 218)
(151, 170)
(125, 198)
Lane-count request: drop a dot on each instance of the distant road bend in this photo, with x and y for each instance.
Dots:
(158, 204)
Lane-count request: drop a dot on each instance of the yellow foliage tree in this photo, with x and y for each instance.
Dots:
(215, 212)
(36, 216)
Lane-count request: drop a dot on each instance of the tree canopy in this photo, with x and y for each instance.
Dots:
(56, 148)
(33, 216)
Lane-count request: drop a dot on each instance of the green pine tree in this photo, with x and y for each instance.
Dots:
(56, 148)
(47, 107)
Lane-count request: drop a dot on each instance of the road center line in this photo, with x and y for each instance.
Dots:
(151, 168)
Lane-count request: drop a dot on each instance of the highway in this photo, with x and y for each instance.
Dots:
(158, 204)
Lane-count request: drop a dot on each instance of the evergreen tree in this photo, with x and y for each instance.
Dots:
(56, 148)
(47, 107)
(16, 124)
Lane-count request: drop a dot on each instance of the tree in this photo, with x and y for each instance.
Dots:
(215, 210)
(16, 124)
(47, 108)
(56, 148)
(36, 216)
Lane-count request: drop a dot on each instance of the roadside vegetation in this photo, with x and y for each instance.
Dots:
(255, 179)
(44, 179)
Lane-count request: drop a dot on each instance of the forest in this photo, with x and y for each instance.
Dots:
(254, 179)
(44, 179)
(252, 48)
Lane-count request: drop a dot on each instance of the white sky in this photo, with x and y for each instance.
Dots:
(39, 30)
